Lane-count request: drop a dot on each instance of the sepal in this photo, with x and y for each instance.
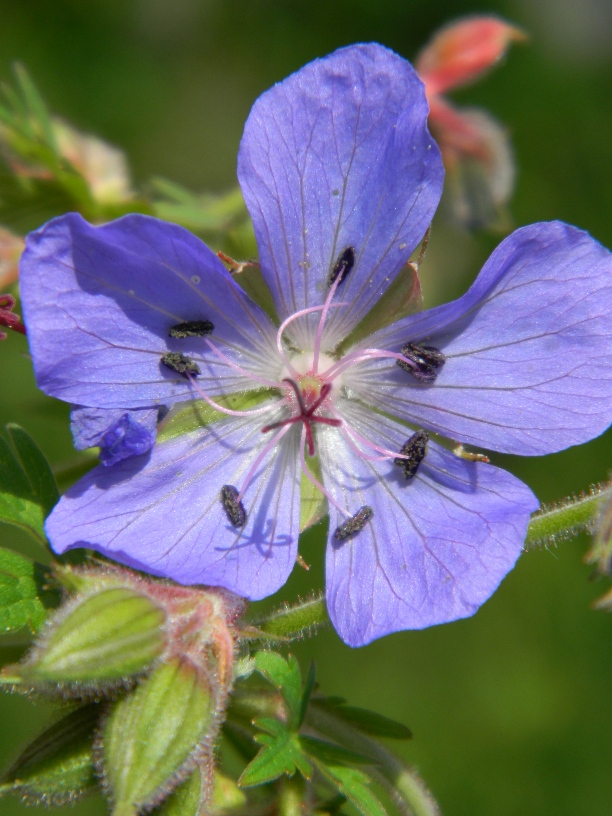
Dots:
(97, 640)
(154, 736)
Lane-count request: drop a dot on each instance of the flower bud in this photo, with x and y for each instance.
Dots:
(154, 736)
(103, 638)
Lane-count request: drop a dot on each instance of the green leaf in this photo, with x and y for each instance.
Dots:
(295, 621)
(308, 687)
(281, 754)
(354, 784)
(333, 754)
(368, 722)
(57, 767)
(285, 675)
(24, 597)
(27, 488)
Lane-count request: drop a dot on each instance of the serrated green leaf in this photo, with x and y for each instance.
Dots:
(355, 785)
(24, 597)
(57, 767)
(285, 675)
(281, 754)
(27, 488)
(368, 722)
(333, 754)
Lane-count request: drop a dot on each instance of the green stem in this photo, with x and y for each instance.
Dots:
(564, 520)
(297, 620)
(398, 779)
(552, 523)
(291, 796)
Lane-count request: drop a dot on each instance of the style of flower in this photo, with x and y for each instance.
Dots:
(341, 178)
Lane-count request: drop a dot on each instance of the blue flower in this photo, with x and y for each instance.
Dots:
(341, 178)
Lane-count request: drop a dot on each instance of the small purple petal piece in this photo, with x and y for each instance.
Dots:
(163, 513)
(528, 349)
(338, 155)
(118, 433)
(101, 301)
(436, 547)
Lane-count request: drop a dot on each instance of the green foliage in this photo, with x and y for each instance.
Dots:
(281, 754)
(24, 594)
(27, 488)
(354, 784)
(57, 767)
(368, 722)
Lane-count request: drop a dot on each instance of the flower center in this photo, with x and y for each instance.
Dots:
(307, 397)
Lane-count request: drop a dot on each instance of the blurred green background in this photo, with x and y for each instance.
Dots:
(512, 709)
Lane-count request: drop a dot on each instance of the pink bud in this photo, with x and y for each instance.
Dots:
(461, 52)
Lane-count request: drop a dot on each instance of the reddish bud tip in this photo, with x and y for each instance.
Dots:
(461, 52)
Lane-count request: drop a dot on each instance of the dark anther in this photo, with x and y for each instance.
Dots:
(354, 524)
(344, 264)
(415, 449)
(181, 364)
(192, 328)
(234, 509)
(426, 361)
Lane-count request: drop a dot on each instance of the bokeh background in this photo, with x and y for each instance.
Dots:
(512, 709)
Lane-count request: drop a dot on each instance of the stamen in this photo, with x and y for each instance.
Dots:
(192, 328)
(313, 480)
(424, 362)
(413, 452)
(234, 509)
(335, 283)
(360, 357)
(177, 361)
(290, 319)
(259, 459)
(239, 369)
(344, 264)
(354, 525)
(222, 409)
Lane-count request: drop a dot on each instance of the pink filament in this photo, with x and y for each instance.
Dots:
(262, 454)
(239, 369)
(362, 356)
(229, 411)
(316, 482)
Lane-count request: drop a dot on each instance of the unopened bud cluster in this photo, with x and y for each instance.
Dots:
(159, 658)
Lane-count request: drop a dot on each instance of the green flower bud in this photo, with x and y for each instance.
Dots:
(154, 736)
(98, 640)
(57, 767)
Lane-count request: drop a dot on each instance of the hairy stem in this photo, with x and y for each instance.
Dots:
(563, 520)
